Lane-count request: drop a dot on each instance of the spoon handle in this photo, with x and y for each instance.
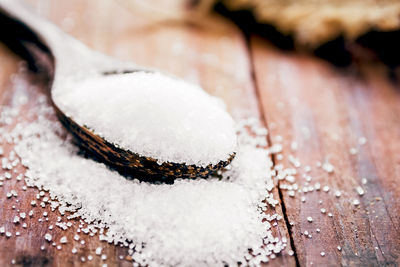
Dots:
(69, 54)
(50, 35)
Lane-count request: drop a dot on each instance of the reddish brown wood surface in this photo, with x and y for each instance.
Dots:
(214, 54)
(323, 109)
(326, 110)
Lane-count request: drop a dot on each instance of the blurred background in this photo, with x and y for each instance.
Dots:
(340, 31)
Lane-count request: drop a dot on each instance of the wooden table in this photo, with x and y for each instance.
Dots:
(317, 112)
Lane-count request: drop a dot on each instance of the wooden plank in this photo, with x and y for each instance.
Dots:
(214, 54)
(326, 111)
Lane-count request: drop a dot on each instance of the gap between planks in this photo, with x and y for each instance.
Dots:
(269, 140)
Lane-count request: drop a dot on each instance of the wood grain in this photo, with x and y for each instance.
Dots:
(326, 110)
(214, 54)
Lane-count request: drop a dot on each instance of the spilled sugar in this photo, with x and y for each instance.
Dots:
(153, 115)
(190, 223)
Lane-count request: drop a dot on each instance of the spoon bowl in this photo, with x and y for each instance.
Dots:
(73, 62)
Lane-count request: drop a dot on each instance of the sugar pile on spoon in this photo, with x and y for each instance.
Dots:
(153, 115)
(216, 221)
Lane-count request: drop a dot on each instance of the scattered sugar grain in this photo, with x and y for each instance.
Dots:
(294, 146)
(362, 140)
(360, 190)
(353, 151)
(328, 167)
(317, 186)
(48, 237)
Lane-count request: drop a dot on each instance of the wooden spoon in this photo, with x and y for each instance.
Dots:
(72, 60)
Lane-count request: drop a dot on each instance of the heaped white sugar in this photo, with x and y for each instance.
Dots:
(153, 115)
